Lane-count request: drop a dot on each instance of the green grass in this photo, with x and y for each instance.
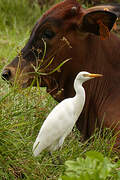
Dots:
(22, 112)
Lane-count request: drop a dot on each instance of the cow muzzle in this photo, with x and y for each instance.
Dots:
(21, 77)
(6, 74)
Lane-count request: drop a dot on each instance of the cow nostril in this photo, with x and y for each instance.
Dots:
(6, 74)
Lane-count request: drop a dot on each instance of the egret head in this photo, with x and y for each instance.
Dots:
(84, 76)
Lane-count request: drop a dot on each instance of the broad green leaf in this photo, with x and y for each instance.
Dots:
(95, 155)
(94, 167)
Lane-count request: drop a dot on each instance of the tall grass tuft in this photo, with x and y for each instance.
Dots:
(17, 13)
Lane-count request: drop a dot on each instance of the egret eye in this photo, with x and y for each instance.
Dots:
(49, 34)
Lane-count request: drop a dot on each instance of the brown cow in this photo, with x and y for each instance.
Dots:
(73, 32)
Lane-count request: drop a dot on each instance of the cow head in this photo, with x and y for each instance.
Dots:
(54, 39)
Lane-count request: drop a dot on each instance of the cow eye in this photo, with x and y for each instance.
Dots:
(49, 34)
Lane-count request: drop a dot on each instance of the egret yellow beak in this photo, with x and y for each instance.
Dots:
(94, 75)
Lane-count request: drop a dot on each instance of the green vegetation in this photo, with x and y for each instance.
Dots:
(22, 112)
(94, 167)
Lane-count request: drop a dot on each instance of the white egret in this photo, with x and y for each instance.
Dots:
(62, 118)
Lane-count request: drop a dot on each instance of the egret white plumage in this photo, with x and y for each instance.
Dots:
(62, 118)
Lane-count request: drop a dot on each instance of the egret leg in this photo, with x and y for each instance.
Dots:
(60, 147)
(60, 162)
(57, 146)
(53, 161)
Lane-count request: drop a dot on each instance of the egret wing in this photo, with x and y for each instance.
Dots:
(58, 122)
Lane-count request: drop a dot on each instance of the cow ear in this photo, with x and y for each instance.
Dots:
(99, 22)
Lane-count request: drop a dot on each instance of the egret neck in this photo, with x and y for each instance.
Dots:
(79, 98)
